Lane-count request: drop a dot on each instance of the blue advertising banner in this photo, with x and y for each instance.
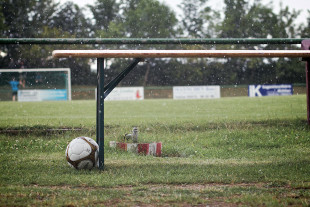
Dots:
(270, 90)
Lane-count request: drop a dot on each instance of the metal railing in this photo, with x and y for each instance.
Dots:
(123, 41)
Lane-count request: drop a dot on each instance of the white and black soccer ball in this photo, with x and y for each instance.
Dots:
(82, 153)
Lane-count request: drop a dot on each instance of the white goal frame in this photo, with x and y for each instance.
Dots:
(44, 70)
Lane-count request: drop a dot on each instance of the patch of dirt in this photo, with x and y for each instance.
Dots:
(196, 187)
(151, 196)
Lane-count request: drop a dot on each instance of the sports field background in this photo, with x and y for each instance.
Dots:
(228, 151)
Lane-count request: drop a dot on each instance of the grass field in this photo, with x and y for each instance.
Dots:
(222, 152)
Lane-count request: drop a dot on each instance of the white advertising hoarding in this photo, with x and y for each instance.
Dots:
(196, 92)
(42, 95)
(126, 93)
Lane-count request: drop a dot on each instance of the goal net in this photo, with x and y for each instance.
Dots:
(40, 84)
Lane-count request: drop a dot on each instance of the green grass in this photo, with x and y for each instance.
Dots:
(229, 151)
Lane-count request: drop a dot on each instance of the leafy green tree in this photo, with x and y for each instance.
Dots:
(25, 18)
(234, 20)
(3, 26)
(70, 18)
(243, 20)
(107, 20)
(142, 19)
(148, 19)
(104, 12)
(193, 21)
(22, 19)
(197, 19)
(305, 32)
(43, 19)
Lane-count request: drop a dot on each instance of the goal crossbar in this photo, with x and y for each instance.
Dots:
(35, 70)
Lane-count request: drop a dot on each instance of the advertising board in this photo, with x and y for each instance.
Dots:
(126, 93)
(270, 90)
(196, 92)
(42, 95)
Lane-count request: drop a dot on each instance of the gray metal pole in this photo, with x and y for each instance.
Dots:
(100, 111)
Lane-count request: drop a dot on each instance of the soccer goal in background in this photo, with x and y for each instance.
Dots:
(39, 84)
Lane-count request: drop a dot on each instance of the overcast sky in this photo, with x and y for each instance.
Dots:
(302, 5)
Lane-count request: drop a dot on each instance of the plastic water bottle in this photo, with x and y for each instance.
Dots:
(135, 134)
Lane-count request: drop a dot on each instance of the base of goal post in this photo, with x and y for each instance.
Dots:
(153, 149)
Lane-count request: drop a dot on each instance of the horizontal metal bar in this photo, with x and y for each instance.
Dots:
(34, 70)
(124, 41)
(179, 53)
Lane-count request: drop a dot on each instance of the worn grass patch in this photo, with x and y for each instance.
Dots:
(252, 194)
(225, 152)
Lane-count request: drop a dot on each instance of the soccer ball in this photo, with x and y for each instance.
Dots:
(82, 153)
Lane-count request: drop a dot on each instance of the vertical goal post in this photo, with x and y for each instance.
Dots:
(66, 71)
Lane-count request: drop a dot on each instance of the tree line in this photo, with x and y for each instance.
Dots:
(152, 19)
